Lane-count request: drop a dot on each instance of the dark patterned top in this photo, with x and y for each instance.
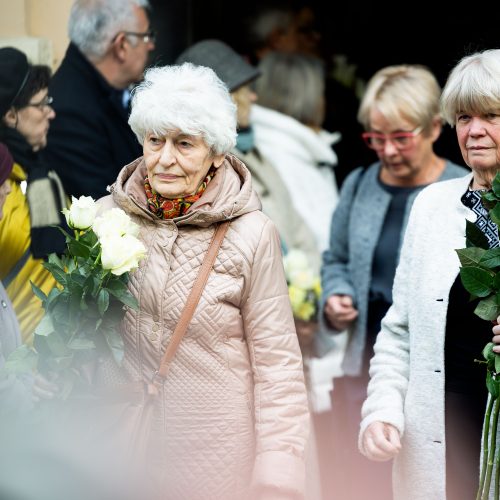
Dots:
(473, 200)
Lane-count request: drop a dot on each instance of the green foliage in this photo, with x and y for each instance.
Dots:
(82, 314)
(480, 265)
(480, 274)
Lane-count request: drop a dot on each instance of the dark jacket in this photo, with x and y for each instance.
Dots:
(89, 140)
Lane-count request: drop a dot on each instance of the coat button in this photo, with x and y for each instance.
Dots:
(4, 304)
(155, 328)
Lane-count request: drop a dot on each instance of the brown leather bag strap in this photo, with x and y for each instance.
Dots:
(192, 300)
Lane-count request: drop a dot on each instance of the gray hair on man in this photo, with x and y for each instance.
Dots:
(93, 23)
(473, 86)
(188, 98)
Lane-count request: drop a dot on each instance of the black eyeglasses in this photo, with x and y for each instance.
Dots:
(147, 36)
(45, 102)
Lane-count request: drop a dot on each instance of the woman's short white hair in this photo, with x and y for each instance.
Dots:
(188, 98)
(473, 86)
(408, 91)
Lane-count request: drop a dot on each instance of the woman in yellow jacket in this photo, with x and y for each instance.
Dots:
(32, 209)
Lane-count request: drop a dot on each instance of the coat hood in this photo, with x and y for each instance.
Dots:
(228, 195)
(273, 127)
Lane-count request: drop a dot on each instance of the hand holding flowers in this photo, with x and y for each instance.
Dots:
(83, 312)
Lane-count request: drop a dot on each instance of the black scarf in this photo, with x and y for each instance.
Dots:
(44, 193)
(474, 201)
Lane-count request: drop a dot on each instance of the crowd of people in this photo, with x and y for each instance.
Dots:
(222, 151)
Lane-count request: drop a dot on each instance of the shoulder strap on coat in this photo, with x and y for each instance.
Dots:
(192, 300)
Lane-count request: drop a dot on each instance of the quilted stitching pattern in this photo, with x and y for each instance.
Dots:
(205, 437)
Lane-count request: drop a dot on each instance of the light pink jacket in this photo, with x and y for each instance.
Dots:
(234, 409)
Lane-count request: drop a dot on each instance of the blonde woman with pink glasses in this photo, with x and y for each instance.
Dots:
(400, 113)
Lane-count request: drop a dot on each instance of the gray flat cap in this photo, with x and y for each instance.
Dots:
(229, 66)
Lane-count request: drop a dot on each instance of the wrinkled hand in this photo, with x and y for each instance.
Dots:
(381, 442)
(339, 311)
(496, 335)
(43, 388)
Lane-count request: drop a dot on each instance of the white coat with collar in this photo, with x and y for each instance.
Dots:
(305, 160)
(407, 372)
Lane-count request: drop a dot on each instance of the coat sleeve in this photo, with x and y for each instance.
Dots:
(390, 366)
(335, 275)
(335, 269)
(281, 409)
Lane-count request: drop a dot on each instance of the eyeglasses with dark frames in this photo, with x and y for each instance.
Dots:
(146, 37)
(400, 140)
(45, 102)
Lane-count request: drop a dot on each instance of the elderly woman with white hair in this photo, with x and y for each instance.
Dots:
(427, 394)
(232, 417)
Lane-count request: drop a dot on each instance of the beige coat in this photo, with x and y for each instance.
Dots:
(234, 409)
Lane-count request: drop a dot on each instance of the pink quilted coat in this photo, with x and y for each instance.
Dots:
(234, 412)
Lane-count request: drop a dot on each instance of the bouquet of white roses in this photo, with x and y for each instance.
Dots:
(480, 275)
(83, 311)
(304, 287)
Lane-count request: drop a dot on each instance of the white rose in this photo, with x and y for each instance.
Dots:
(81, 215)
(295, 260)
(121, 254)
(114, 222)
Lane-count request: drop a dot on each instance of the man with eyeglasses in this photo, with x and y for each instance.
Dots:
(90, 140)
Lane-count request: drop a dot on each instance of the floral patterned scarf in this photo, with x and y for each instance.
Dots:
(166, 208)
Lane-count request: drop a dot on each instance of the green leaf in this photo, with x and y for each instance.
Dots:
(119, 290)
(22, 360)
(489, 198)
(476, 281)
(116, 285)
(495, 214)
(77, 279)
(470, 256)
(488, 309)
(58, 273)
(57, 345)
(79, 249)
(115, 343)
(52, 297)
(103, 301)
(490, 258)
(70, 265)
(55, 260)
(474, 236)
(496, 185)
(488, 351)
(497, 363)
(81, 344)
(45, 327)
(38, 292)
(493, 386)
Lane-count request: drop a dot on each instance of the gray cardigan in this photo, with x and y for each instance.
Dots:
(355, 230)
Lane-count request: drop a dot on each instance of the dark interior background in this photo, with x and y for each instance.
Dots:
(371, 34)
